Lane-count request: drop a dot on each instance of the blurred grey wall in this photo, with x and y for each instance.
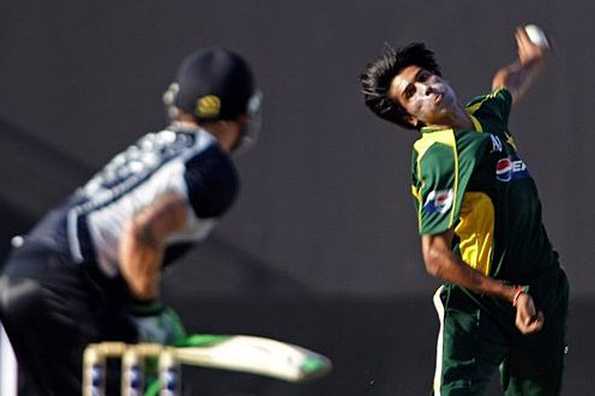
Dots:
(325, 204)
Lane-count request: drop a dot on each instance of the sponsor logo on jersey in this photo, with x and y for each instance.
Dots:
(496, 143)
(508, 169)
(439, 201)
(147, 155)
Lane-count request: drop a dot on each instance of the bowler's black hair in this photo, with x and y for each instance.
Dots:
(379, 74)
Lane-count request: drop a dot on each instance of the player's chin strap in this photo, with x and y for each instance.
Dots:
(250, 130)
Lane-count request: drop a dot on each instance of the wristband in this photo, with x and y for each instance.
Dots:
(519, 290)
(146, 307)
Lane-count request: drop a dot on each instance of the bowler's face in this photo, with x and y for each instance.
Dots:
(425, 96)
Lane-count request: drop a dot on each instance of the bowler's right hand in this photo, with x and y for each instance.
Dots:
(528, 319)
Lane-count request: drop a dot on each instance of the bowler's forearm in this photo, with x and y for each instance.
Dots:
(450, 268)
(518, 77)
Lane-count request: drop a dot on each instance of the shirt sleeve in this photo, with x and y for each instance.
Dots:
(495, 106)
(212, 183)
(441, 174)
(501, 104)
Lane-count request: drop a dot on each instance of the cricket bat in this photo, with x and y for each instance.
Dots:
(250, 354)
(256, 355)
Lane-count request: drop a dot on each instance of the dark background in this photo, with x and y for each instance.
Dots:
(321, 249)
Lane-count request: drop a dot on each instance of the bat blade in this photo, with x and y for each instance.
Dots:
(257, 355)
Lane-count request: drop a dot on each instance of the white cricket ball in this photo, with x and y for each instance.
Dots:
(17, 241)
(537, 36)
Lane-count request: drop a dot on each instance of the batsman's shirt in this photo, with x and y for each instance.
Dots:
(475, 182)
(185, 161)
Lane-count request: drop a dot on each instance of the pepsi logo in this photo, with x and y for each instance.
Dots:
(439, 201)
(504, 170)
(508, 169)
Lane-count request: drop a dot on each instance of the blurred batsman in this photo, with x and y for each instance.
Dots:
(505, 298)
(90, 269)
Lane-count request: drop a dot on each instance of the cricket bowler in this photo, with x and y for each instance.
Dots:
(504, 301)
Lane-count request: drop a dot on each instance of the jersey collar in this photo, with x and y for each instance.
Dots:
(476, 123)
(434, 128)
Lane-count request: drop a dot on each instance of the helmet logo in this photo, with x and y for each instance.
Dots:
(208, 106)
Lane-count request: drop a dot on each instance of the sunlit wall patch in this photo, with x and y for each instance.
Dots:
(439, 201)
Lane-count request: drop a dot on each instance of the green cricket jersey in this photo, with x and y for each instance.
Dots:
(473, 181)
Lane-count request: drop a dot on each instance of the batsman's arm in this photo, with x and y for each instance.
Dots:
(519, 76)
(442, 263)
(143, 243)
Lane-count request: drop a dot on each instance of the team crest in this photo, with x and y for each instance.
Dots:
(208, 106)
(439, 201)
